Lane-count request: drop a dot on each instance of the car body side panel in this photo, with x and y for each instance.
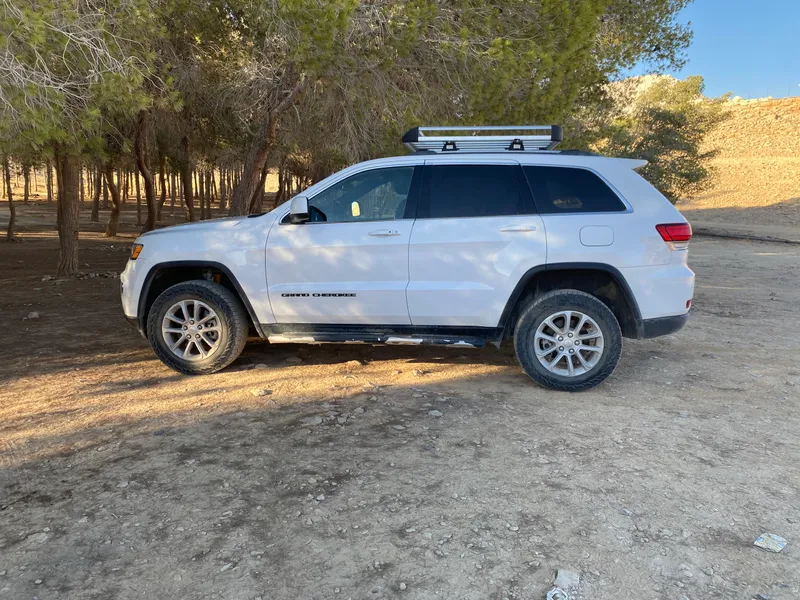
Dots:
(236, 243)
(462, 271)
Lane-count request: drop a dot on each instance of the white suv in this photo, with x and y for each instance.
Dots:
(469, 240)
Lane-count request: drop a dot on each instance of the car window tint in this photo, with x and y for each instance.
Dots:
(379, 194)
(472, 191)
(565, 190)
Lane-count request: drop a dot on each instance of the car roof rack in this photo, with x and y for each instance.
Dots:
(503, 138)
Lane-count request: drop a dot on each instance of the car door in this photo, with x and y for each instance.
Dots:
(349, 263)
(586, 220)
(474, 237)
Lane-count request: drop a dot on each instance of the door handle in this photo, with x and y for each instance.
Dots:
(518, 228)
(384, 233)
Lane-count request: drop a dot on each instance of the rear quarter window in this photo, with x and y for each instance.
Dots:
(559, 190)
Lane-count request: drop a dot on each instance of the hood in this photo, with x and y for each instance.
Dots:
(209, 225)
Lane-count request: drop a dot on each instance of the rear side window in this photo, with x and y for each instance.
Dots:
(565, 190)
(471, 191)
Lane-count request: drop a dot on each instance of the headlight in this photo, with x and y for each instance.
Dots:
(136, 250)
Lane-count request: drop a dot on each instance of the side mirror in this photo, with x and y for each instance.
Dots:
(298, 213)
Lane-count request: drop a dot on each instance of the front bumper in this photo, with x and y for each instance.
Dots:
(663, 325)
(134, 322)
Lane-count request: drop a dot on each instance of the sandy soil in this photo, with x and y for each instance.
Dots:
(757, 169)
(323, 472)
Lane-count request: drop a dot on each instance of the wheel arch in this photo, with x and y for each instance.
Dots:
(602, 280)
(166, 274)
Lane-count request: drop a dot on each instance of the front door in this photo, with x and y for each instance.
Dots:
(349, 263)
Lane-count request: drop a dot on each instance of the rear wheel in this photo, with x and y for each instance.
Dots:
(568, 340)
(197, 327)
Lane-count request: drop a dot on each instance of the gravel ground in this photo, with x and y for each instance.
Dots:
(350, 472)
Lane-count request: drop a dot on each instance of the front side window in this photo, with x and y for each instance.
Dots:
(559, 190)
(376, 195)
(472, 191)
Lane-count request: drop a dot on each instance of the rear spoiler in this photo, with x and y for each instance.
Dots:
(634, 163)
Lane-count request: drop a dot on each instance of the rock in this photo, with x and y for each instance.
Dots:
(435, 413)
(402, 586)
(770, 542)
(353, 364)
(398, 427)
(260, 366)
(312, 480)
(626, 511)
(32, 315)
(321, 497)
(294, 360)
(258, 392)
(37, 538)
(420, 372)
(122, 484)
(567, 580)
(48, 278)
(38, 581)
(359, 411)
(315, 420)
(226, 567)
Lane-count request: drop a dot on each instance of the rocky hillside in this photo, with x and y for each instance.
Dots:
(758, 166)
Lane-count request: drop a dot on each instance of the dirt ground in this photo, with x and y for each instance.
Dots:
(324, 472)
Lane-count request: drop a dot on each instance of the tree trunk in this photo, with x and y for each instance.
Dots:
(26, 190)
(105, 197)
(281, 183)
(254, 164)
(223, 190)
(67, 168)
(142, 161)
(12, 211)
(257, 203)
(171, 192)
(186, 180)
(201, 192)
(162, 181)
(125, 186)
(113, 188)
(98, 184)
(49, 182)
(138, 201)
(83, 192)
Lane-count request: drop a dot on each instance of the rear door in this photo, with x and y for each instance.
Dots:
(474, 237)
(349, 263)
(586, 220)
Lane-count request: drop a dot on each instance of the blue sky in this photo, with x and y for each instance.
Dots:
(748, 47)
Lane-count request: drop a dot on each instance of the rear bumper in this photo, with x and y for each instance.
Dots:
(663, 325)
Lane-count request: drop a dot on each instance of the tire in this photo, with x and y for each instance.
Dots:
(228, 328)
(555, 304)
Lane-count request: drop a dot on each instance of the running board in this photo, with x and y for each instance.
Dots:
(388, 339)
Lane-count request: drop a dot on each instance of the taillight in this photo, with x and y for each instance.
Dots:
(675, 232)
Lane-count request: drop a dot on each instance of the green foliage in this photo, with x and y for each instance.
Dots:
(356, 73)
(73, 68)
(665, 123)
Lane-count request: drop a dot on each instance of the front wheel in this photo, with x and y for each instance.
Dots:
(568, 340)
(197, 327)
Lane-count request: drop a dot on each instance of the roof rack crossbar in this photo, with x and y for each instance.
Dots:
(547, 137)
